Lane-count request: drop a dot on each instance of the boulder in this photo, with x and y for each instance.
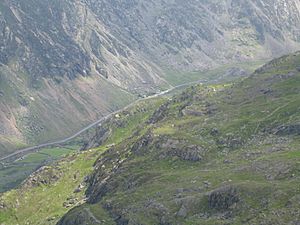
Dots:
(214, 132)
(2, 205)
(183, 212)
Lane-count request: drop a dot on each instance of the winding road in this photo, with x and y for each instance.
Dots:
(49, 144)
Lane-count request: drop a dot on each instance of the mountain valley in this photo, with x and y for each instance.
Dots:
(66, 63)
(214, 154)
(135, 112)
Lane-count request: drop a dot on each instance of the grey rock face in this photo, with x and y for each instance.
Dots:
(37, 39)
(201, 34)
(63, 38)
(56, 57)
(55, 38)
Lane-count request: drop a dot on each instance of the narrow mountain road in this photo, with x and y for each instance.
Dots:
(54, 143)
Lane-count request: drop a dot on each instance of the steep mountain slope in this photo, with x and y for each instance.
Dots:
(225, 154)
(64, 63)
(55, 110)
(201, 34)
(63, 38)
(60, 69)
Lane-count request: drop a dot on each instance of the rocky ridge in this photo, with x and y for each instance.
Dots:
(224, 167)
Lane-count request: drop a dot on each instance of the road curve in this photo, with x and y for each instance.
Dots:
(49, 144)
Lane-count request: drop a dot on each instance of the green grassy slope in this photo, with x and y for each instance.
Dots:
(219, 154)
(49, 193)
(212, 155)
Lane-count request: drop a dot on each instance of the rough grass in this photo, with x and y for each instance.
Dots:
(48, 200)
(262, 167)
(13, 173)
(242, 112)
(44, 204)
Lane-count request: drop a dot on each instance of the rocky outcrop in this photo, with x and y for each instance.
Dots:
(159, 114)
(229, 141)
(223, 198)
(43, 176)
(293, 129)
(2, 205)
(192, 153)
(101, 135)
(80, 216)
(140, 145)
